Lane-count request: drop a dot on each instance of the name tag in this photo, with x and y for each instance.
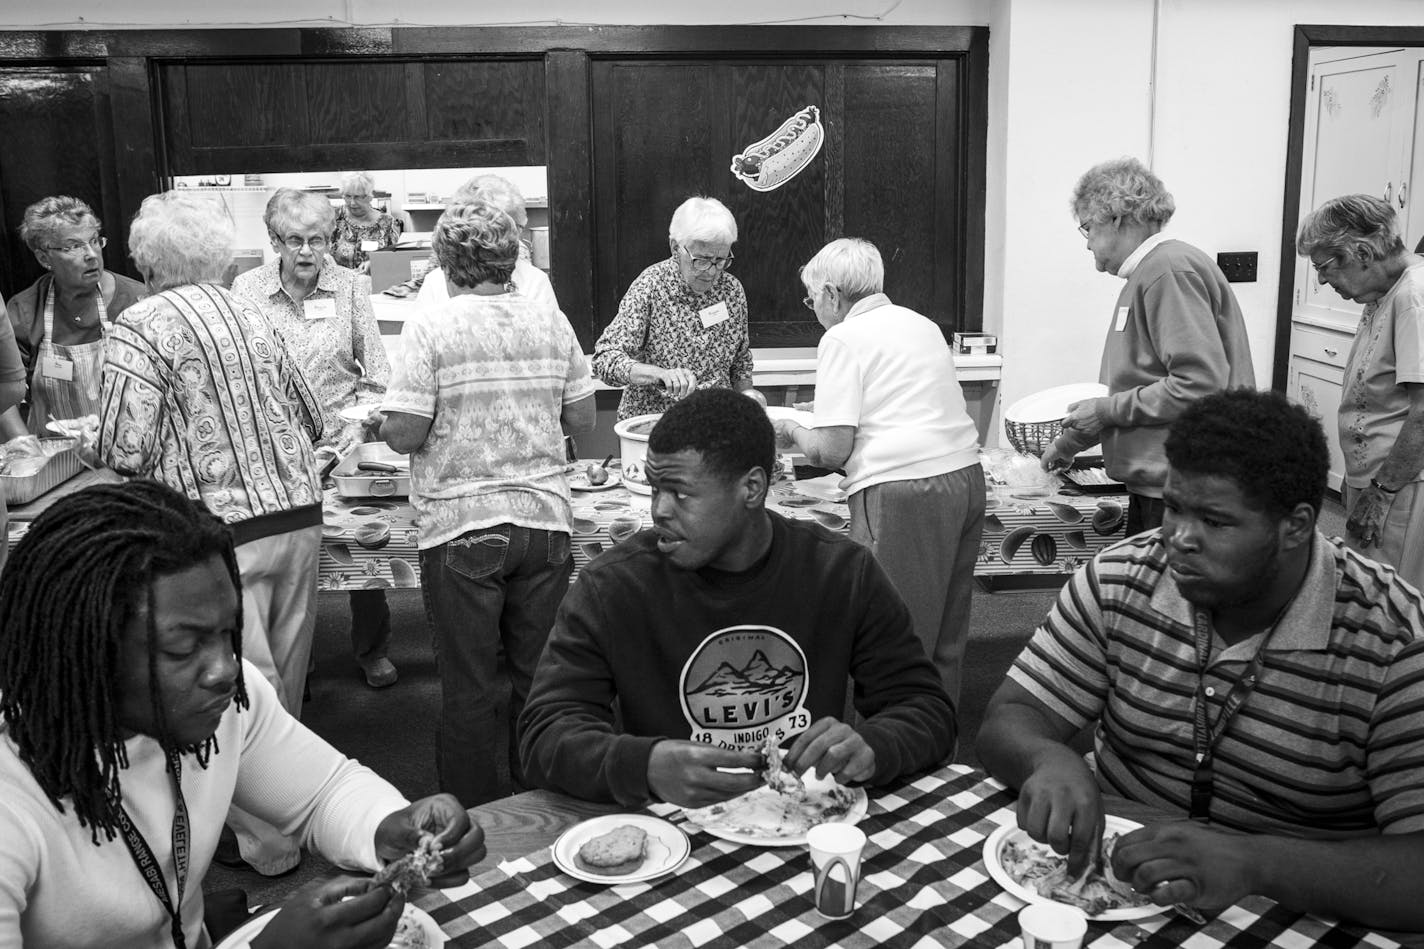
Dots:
(320, 309)
(57, 367)
(714, 314)
(1120, 323)
(369, 246)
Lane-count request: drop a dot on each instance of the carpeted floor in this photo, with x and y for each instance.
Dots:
(393, 730)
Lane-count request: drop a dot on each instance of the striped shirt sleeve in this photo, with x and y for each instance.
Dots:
(1064, 665)
(1395, 753)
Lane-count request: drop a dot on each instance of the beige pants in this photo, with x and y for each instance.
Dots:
(279, 581)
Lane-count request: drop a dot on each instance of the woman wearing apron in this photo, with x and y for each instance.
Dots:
(59, 321)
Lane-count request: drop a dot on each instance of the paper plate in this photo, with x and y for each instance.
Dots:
(243, 935)
(813, 782)
(578, 481)
(1050, 405)
(994, 845)
(356, 413)
(667, 848)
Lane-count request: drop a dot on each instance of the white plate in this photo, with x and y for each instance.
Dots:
(578, 480)
(242, 935)
(994, 845)
(814, 782)
(775, 412)
(667, 848)
(356, 413)
(1050, 405)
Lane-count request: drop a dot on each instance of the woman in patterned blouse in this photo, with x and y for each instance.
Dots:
(682, 325)
(360, 228)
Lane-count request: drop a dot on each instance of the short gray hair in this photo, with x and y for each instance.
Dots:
(288, 206)
(178, 239)
(849, 264)
(492, 189)
(703, 219)
(358, 182)
(47, 215)
(1122, 188)
(476, 243)
(1344, 226)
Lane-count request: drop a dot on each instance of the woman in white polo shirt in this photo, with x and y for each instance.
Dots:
(890, 412)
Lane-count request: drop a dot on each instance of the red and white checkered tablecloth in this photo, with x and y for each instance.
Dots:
(923, 884)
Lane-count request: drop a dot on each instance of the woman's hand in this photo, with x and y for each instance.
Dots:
(461, 840)
(321, 916)
(1366, 520)
(679, 383)
(785, 429)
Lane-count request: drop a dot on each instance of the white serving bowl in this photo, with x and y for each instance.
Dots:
(633, 447)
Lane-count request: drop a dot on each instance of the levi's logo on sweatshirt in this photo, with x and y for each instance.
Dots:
(742, 684)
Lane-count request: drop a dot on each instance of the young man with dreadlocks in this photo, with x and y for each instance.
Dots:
(131, 724)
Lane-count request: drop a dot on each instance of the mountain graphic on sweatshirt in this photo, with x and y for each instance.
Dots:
(758, 676)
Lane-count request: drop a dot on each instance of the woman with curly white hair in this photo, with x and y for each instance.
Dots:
(199, 392)
(1176, 334)
(360, 226)
(486, 387)
(682, 325)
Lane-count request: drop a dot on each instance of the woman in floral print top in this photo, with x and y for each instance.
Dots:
(682, 325)
(360, 228)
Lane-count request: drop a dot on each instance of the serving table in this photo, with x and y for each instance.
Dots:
(924, 883)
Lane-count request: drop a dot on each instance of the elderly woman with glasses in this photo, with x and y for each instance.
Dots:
(323, 312)
(1354, 245)
(360, 227)
(60, 320)
(682, 325)
(1176, 334)
(199, 392)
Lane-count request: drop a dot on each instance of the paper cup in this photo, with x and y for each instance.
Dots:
(1052, 926)
(835, 860)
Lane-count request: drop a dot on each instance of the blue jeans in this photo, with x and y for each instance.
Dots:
(493, 589)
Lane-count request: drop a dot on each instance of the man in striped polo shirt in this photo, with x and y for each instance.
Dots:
(1239, 669)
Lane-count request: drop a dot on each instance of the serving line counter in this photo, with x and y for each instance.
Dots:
(1040, 537)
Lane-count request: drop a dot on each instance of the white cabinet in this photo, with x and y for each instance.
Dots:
(1317, 373)
(1364, 133)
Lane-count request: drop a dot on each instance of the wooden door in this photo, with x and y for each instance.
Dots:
(891, 170)
(58, 140)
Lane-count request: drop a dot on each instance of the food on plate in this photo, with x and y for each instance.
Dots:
(597, 474)
(633, 471)
(410, 934)
(642, 428)
(1036, 867)
(617, 853)
(415, 868)
(782, 155)
(771, 815)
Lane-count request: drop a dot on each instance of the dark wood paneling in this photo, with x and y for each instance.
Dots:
(890, 161)
(652, 143)
(356, 102)
(570, 177)
(135, 161)
(972, 118)
(780, 230)
(243, 104)
(479, 101)
(56, 122)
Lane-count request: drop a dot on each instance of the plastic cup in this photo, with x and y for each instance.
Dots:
(1052, 926)
(835, 858)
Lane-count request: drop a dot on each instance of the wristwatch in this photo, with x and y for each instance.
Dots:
(1375, 483)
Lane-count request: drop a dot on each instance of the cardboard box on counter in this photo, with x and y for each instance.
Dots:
(976, 344)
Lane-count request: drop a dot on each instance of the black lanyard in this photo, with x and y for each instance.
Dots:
(147, 864)
(1206, 735)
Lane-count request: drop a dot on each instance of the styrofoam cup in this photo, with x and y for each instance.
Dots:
(1052, 926)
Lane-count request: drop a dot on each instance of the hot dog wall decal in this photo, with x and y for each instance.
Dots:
(783, 154)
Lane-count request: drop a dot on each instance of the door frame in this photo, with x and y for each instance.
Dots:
(1307, 37)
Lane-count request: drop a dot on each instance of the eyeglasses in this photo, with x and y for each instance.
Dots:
(1321, 268)
(810, 302)
(75, 248)
(295, 243)
(704, 264)
(1085, 228)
